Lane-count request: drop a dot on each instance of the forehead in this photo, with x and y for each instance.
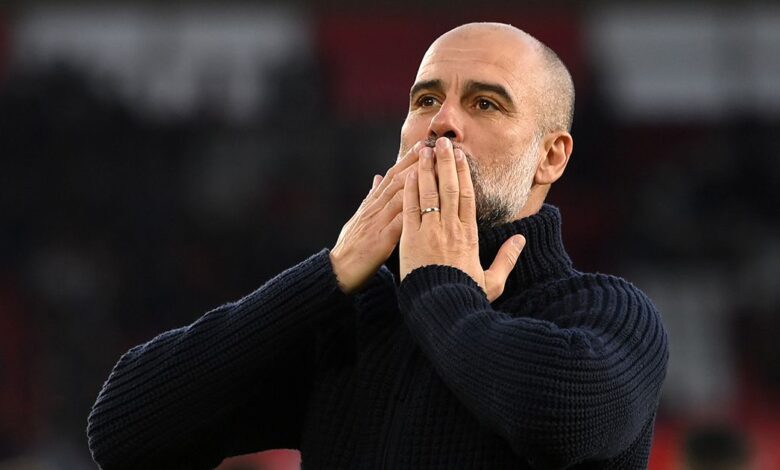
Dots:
(497, 58)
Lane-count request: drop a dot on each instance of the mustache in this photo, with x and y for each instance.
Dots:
(431, 142)
(490, 211)
(473, 167)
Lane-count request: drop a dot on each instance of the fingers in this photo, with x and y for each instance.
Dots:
(467, 206)
(394, 228)
(405, 162)
(448, 179)
(411, 219)
(392, 208)
(393, 188)
(506, 258)
(372, 192)
(377, 180)
(428, 189)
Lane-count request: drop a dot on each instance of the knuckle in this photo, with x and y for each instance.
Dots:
(389, 191)
(467, 193)
(451, 189)
(458, 240)
(429, 194)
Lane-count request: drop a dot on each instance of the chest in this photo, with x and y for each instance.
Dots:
(378, 402)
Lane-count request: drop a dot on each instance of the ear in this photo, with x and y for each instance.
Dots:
(557, 147)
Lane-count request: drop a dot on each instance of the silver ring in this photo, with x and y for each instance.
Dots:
(430, 209)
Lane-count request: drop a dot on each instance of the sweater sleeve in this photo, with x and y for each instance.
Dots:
(234, 381)
(578, 379)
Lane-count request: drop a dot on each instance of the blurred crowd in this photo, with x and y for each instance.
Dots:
(135, 198)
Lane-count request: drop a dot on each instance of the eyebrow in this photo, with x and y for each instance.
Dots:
(432, 85)
(472, 87)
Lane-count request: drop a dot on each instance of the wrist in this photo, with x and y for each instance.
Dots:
(341, 270)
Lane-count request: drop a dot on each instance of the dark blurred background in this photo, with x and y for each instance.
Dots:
(157, 161)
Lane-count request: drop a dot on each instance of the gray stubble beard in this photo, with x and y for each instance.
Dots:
(500, 192)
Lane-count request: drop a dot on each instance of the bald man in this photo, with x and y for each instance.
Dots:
(447, 327)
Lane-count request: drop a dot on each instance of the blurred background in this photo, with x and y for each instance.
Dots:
(157, 161)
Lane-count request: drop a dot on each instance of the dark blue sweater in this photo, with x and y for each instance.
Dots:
(563, 371)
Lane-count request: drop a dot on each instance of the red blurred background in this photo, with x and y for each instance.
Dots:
(156, 161)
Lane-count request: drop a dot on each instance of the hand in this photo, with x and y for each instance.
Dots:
(369, 237)
(449, 237)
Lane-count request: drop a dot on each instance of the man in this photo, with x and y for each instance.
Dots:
(528, 364)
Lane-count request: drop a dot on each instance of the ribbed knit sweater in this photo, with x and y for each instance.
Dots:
(563, 370)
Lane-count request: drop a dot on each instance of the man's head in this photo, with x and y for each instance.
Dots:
(507, 100)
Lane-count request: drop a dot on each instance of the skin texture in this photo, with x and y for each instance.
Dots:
(449, 237)
(510, 132)
(481, 94)
(370, 236)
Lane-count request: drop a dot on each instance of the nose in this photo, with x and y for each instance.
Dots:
(446, 123)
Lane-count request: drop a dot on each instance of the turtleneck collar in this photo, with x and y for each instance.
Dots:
(543, 257)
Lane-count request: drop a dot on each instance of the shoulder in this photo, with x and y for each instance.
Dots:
(585, 297)
(590, 288)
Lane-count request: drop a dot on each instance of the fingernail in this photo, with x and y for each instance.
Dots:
(427, 152)
(458, 154)
(519, 242)
(413, 174)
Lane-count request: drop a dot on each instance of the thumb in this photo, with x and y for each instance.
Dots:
(506, 258)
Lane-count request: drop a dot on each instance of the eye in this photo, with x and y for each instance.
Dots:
(426, 101)
(486, 105)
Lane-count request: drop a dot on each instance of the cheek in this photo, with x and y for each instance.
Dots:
(511, 143)
(493, 151)
(409, 136)
(490, 147)
(414, 128)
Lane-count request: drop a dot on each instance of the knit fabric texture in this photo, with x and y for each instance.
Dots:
(564, 370)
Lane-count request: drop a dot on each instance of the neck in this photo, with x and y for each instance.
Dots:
(536, 197)
(543, 257)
